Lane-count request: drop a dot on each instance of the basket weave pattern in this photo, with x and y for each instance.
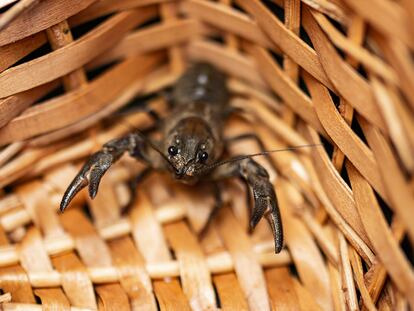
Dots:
(339, 72)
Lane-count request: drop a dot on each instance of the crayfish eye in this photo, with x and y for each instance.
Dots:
(203, 157)
(172, 150)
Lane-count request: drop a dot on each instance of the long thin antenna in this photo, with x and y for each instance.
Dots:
(216, 164)
(242, 157)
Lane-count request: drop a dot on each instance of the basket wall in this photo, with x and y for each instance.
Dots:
(333, 72)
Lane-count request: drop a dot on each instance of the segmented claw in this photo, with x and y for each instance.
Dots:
(104, 162)
(275, 221)
(265, 202)
(96, 166)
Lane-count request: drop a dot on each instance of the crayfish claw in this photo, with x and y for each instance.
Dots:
(75, 186)
(265, 200)
(97, 165)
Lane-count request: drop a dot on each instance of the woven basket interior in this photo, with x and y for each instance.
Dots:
(334, 73)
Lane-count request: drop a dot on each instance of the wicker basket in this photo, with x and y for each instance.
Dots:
(340, 72)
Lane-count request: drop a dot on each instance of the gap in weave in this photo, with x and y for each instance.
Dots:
(156, 20)
(406, 173)
(293, 271)
(37, 298)
(57, 91)
(408, 249)
(341, 28)
(327, 146)
(8, 189)
(216, 38)
(84, 28)
(386, 210)
(172, 253)
(138, 103)
(276, 10)
(96, 72)
(157, 303)
(372, 47)
(365, 266)
(340, 52)
(39, 52)
(87, 212)
(277, 57)
(235, 6)
(218, 302)
(361, 70)
(404, 99)
(7, 7)
(305, 37)
(389, 215)
(345, 177)
(356, 128)
(303, 86)
(335, 99)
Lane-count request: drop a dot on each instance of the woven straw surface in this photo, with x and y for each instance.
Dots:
(339, 72)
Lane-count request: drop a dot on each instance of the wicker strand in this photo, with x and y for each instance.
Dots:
(334, 72)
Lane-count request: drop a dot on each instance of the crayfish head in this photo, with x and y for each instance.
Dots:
(190, 147)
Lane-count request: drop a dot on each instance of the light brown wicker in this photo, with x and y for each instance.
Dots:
(336, 71)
